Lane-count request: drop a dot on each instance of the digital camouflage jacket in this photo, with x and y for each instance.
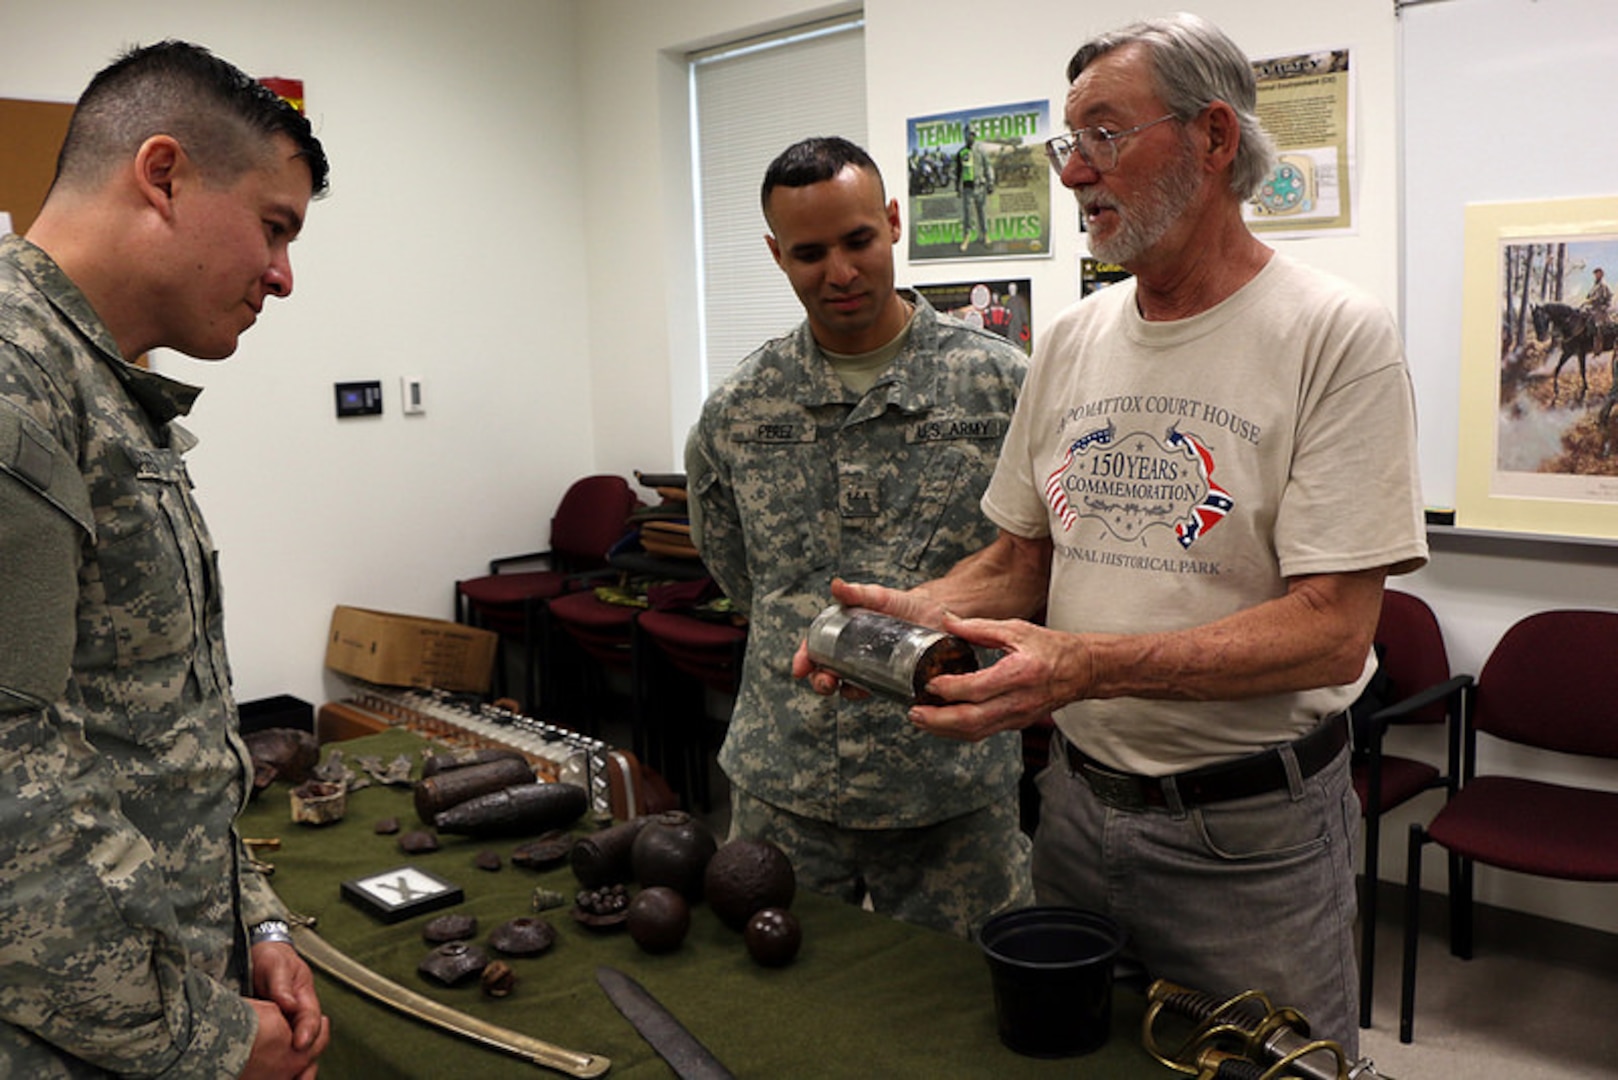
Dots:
(123, 888)
(798, 479)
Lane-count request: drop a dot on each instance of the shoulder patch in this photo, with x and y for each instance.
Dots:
(28, 452)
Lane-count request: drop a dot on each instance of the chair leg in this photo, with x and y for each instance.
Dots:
(1368, 906)
(1407, 985)
(696, 741)
(641, 677)
(1460, 907)
(533, 649)
(659, 720)
(561, 667)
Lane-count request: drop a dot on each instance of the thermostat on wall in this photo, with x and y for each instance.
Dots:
(359, 399)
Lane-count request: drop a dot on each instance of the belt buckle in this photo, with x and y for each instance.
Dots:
(1121, 792)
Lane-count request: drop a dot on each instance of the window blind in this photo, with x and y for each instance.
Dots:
(750, 101)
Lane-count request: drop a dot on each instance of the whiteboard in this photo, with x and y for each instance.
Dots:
(1501, 100)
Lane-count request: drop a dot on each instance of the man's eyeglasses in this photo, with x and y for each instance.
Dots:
(1097, 146)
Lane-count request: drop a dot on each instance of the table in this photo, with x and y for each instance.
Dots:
(867, 996)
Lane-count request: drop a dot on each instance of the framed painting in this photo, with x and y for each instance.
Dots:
(1539, 407)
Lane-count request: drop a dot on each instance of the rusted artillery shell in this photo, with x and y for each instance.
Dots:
(438, 793)
(454, 962)
(451, 760)
(523, 810)
(523, 936)
(603, 857)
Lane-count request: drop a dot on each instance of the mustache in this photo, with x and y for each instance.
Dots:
(1093, 200)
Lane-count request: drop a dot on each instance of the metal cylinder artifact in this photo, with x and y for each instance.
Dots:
(886, 655)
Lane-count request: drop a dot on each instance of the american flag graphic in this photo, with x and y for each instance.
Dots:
(1053, 483)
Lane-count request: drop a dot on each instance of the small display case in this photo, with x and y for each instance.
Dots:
(401, 893)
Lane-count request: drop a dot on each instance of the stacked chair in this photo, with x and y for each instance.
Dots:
(662, 628)
(665, 526)
(1547, 685)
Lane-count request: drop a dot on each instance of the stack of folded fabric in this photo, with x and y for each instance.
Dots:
(665, 528)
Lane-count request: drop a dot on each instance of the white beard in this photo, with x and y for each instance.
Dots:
(1157, 208)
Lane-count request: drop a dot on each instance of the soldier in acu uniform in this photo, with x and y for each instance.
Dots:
(858, 445)
(134, 937)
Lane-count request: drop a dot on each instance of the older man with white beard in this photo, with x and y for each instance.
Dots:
(1209, 475)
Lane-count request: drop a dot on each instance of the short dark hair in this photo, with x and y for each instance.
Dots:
(812, 161)
(221, 116)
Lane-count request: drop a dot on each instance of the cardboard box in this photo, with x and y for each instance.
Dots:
(407, 650)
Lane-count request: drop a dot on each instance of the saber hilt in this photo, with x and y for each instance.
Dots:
(1270, 1043)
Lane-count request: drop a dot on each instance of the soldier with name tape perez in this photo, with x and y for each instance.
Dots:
(856, 446)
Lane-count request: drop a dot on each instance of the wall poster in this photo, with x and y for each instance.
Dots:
(1001, 307)
(979, 187)
(1538, 423)
(1306, 103)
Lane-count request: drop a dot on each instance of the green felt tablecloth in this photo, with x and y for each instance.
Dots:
(866, 997)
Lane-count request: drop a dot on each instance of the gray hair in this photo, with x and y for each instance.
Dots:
(1194, 64)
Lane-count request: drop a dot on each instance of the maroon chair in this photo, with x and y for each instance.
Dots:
(1548, 684)
(1414, 686)
(701, 655)
(590, 519)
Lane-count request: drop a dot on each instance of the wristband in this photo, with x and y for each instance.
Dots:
(270, 930)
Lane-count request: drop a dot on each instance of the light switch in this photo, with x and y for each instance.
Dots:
(410, 394)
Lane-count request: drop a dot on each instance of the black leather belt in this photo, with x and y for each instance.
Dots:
(1255, 774)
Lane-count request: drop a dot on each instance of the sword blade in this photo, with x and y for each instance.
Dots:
(344, 968)
(689, 1059)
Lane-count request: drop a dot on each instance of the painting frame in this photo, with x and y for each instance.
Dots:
(1510, 476)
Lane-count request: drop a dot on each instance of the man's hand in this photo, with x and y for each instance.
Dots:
(292, 1033)
(1040, 671)
(274, 1057)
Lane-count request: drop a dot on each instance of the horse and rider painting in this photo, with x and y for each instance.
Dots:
(1557, 308)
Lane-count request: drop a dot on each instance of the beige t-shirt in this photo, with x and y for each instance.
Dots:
(1184, 470)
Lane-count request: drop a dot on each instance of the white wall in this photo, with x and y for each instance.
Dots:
(509, 222)
(452, 247)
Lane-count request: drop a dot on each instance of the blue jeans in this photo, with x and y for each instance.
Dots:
(1249, 894)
